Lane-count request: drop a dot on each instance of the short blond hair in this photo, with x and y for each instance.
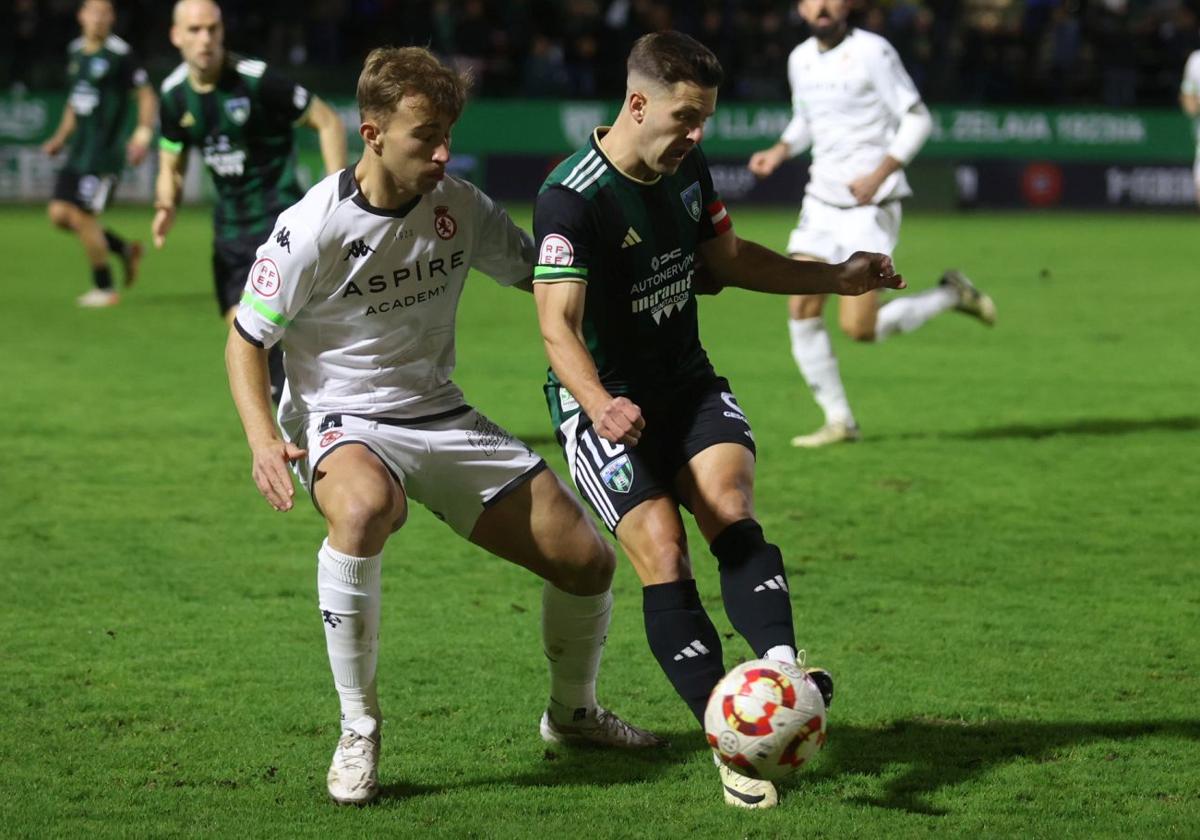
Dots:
(391, 73)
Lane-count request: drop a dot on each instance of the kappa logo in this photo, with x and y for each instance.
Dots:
(358, 248)
(284, 239)
(331, 619)
(443, 223)
(631, 239)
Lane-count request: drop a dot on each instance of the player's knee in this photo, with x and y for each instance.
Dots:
(364, 514)
(590, 568)
(60, 215)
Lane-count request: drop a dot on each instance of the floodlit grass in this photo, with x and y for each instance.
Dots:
(1004, 575)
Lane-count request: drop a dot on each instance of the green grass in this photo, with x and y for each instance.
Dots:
(1003, 575)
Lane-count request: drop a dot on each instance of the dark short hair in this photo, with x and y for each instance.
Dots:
(391, 73)
(670, 57)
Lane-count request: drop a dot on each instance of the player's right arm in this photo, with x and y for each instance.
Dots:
(1189, 91)
(172, 163)
(278, 287)
(796, 137)
(66, 127)
(565, 230)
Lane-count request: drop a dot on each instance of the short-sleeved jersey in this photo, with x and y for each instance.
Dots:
(634, 244)
(364, 299)
(243, 128)
(1191, 87)
(100, 83)
(848, 100)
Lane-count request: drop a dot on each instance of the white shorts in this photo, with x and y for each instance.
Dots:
(832, 233)
(456, 464)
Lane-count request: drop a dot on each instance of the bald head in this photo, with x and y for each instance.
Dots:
(199, 35)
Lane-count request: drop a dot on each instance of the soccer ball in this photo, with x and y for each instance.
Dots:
(765, 719)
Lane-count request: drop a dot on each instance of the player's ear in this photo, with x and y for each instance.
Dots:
(372, 136)
(637, 105)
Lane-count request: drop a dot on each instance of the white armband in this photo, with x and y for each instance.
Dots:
(915, 127)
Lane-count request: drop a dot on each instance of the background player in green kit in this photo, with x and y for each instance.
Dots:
(101, 72)
(240, 114)
(644, 421)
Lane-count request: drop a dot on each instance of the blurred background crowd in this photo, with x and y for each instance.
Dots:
(1120, 53)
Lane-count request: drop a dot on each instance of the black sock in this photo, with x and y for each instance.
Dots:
(683, 640)
(115, 243)
(275, 367)
(102, 278)
(754, 586)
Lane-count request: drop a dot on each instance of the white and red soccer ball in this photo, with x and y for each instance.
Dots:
(765, 719)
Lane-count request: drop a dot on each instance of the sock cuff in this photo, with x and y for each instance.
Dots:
(590, 605)
(348, 569)
(738, 541)
(801, 328)
(676, 595)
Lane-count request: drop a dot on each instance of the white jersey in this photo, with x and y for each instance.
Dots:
(1191, 86)
(364, 299)
(847, 101)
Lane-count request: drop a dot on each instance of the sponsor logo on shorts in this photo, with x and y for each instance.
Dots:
(566, 401)
(617, 475)
(443, 223)
(487, 436)
(556, 250)
(330, 437)
(264, 278)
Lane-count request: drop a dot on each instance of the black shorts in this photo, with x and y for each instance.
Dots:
(232, 260)
(88, 191)
(615, 478)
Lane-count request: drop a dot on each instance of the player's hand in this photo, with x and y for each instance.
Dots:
(270, 471)
(620, 421)
(864, 188)
(164, 219)
(135, 152)
(52, 146)
(865, 271)
(767, 161)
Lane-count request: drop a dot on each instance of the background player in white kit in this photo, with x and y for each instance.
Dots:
(360, 281)
(856, 106)
(1189, 100)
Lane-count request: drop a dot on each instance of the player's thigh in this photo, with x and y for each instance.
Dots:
(357, 494)
(652, 537)
(63, 214)
(857, 314)
(717, 485)
(542, 527)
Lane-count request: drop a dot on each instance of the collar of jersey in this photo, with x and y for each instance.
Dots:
(596, 134)
(348, 183)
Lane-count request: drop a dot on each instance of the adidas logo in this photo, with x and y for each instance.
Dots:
(776, 583)
(694, 649)
(358, 249)
(631, 239)
(187, 120)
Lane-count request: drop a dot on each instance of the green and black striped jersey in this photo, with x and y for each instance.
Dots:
(100, 83)
(243, 128)
(634, 243)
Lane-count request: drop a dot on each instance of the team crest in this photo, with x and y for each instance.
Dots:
(691, 200)
(238, 109)
(98, 66)
(443, 223)
(618, 475)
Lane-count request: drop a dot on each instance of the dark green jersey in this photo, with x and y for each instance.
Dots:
(100, 83)
(634, 244)
(243, 128)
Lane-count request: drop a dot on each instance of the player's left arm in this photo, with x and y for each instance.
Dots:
(1189, 91)
(730, 260)
(331, 133)
(147, 114)
(900, 96)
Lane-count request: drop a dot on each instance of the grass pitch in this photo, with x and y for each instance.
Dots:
(1003, 576)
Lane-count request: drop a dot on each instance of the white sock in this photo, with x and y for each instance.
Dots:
(905, 314)
(782, 653)
(813, 353)
(574, 628)
(349, 593)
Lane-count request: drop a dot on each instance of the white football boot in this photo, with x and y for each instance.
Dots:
(601, 728)
(744, 792)
(98, 298)
(827, 434)
(971, 300)
(354, 772)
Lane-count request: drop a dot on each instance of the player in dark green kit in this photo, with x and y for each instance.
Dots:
(240, 114)
(101, 73)
(628, 229)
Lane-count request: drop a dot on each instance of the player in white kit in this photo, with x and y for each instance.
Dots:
(360, 281)
(855, 105)
(1189, 100)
